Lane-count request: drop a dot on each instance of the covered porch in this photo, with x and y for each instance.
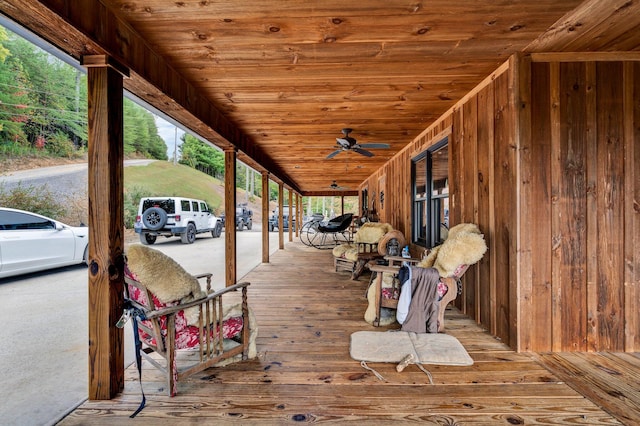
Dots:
(306, 313)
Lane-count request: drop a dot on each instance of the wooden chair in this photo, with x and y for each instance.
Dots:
(388, 297)
(164, 330)
(365, 250)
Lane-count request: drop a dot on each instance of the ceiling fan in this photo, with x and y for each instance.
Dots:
(347, 143)
(334, 185)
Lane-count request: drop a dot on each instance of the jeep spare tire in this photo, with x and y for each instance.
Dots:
(154, 218)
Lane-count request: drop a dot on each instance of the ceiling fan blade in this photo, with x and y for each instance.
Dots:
(363, 152)
(334, 153)
(375, 145)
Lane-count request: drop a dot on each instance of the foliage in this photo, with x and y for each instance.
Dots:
(39, 200)
(132, 196)
(141, 133)
(202, 157)
(43, 107)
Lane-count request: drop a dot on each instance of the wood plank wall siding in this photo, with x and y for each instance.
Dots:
(544, 157)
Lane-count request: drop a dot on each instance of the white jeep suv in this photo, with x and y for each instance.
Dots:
(175, 216)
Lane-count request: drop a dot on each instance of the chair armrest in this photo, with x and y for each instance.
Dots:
(177, 308)
(205, 275)
(208, 276)
(384, 268)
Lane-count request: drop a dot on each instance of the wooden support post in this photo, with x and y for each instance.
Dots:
(298, 214)
(106, 225)
(265, 217)
(230, 215)
(291, 215)
(280, 219)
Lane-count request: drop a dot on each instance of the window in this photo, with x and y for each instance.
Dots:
(430, 177)
(10, 220)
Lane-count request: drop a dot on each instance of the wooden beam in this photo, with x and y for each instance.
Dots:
(265, 217)
(298, 214)
(102, 61)
(632, 209)
(230, 215)
(106, 225)
(521, 76)
(290, 216)
(280, 217)
(585, 56)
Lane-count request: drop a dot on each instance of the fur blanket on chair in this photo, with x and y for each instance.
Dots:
(162, 275)
(465, 245)
(169, 282)
(370, 232)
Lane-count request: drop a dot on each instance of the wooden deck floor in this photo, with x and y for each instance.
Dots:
(306, 314)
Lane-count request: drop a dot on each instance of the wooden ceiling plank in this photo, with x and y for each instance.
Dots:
(229, 10)
(576, 30)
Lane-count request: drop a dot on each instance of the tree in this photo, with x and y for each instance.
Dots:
(14, 99)
(141, 133)
(195, 153)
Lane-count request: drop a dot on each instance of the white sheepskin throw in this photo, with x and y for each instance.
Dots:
(338, 251)
(236, 311)
(465, 245)
(371, 232)
(387, 316)
(162, 275)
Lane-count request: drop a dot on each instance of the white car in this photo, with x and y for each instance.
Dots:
(30, 242)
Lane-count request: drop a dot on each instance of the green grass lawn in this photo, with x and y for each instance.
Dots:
(162, 178)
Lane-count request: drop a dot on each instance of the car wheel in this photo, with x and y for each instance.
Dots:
(249, 225)
(154, 218)
(240, 226)
(189, 235)
(85, 256)
(217, 231)
(147, 239)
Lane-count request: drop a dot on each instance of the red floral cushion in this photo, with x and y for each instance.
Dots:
(186, 335)
(394, 293)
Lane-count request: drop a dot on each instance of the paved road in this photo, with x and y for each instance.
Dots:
(67, 180)
(44, 331)
(55, 171)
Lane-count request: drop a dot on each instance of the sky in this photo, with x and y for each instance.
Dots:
(167, 132)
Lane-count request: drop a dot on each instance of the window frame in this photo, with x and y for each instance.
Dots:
(423, 207)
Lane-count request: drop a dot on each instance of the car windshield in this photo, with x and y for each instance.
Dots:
(166, 205)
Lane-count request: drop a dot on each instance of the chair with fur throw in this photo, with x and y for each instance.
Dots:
(352, 257)
(464, 246)
(183, 328)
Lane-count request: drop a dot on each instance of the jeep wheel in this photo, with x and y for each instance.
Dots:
(154, 218)
(240, 226)
(217, 231)
(249, 224)
(147, 239)
(189, 235)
